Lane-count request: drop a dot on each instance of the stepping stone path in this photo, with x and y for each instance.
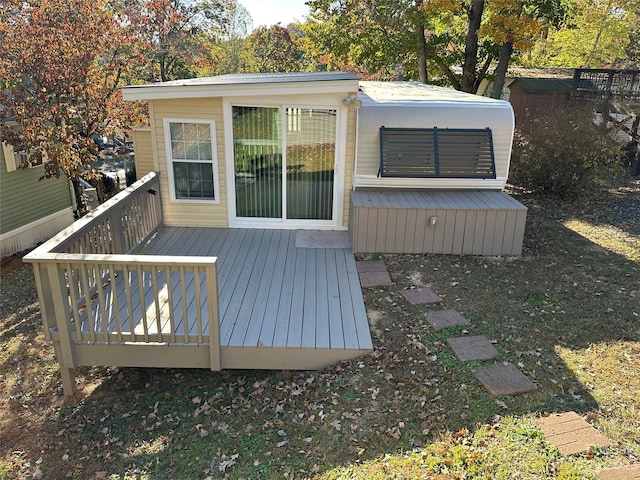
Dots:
(373, 274)
(568, 431)
(571, 433)
(421, 296)
(474, 347)
(630, 472)
(445, 318)
(504, 379)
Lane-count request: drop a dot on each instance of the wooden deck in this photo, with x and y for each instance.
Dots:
(280, 306)
(117, 288)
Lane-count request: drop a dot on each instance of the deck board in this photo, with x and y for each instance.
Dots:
(276, 300)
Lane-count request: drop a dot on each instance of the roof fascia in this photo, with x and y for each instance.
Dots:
(157, 92)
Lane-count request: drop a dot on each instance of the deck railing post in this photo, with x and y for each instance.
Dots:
(44, 296)
(117, 231)
(60, 309)
(213, 316)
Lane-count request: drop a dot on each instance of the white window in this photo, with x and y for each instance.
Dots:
(191, 157)
(15, 159)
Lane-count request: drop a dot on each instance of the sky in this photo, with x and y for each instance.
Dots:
(270, 12)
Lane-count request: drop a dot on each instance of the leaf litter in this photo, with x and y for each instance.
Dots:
(565, 303)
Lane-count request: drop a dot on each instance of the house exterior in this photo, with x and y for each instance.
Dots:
(31, 211)
(235, 248)
(305, 151)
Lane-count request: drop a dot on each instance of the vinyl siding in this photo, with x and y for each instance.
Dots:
(216, 215)
(143, 151)
(189, 214)
(350, 154)
(24, 199)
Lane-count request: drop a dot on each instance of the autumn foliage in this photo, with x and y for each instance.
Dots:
(62, 64)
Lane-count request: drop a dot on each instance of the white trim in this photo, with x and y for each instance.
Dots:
(169, 159)
(157, 92)
(27, 236)
(371, 181)
(338, 177)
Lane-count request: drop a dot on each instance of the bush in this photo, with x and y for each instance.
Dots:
(563, 153)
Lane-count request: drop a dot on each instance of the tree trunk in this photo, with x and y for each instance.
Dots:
(506, 50)
(422, 57)
(469, 73)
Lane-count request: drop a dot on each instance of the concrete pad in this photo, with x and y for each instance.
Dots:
(446, 318)
(630, 472)
(571, 433)
(365, 266)
(374, 279)
(504, 380)
(475, 347)
(421, 296)
(322, 239)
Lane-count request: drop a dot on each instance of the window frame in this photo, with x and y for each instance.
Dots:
(170, 160)
(435, 153)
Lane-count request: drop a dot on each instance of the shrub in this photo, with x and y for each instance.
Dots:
(563, 153)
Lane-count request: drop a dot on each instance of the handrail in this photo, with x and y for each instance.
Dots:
(94, 291)
(117, 226)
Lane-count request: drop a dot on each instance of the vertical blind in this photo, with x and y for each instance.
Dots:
(304, 175)
(310, 164)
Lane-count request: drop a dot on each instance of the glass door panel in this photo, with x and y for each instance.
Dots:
(310, 159)
(298, 185)
(257, 146)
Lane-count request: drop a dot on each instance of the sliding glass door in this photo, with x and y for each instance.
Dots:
(284, 163)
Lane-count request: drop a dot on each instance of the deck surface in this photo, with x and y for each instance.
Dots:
(274, 294)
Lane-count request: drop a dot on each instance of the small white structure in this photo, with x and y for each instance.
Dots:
(424, 107)
(430, 167)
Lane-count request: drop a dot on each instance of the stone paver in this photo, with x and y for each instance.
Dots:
(421, 296)
(504, 379)
(445, 318)
(630, 472)
(474, 347)
(374, 279)
(571, 433)
(371, 266)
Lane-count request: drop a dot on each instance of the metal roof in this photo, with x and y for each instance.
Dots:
(247, 84)
(416, 94)
(255, 78)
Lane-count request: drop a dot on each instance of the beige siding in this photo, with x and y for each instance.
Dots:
(143, 150)
(350, 152)
(474, 222)
(189, 213)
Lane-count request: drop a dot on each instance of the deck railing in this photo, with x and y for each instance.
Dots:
(94, 290)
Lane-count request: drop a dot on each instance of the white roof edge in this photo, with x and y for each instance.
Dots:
(413, 94)
(159, 91)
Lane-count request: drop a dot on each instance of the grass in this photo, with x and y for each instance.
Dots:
(566, 312)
